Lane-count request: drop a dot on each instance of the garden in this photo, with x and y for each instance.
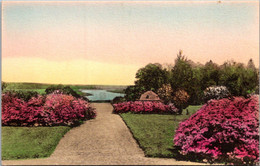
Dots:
(187, 111)
(33, 122)
(207, 113)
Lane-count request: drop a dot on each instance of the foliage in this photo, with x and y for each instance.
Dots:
(194, 78)
(21, 94)
(144, 107)
(55, 109)
(30, 142)
(216, 92)
(222, 129)
(17, 112)
(181, 74)
(165, 93)
(118, 100)
(154, 132)
(133, 93)
(238, 79)
(63, 89)
(3, 85)
(16, 85)
(251, 64)
(211, 74)
(151, 77)
(62, 109)
(180, 99)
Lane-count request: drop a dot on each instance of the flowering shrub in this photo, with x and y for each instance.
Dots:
(222, 129)
(180, 99)
(144, 107)
(65, 109)
(216, 92)
(165, 93)
(17, 112)
(55, 109)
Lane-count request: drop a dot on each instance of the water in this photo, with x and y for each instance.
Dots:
(102, 95)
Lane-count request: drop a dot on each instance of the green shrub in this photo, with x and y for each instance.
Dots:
(3, 85)
(24, 95)
(118, 100)
(64, 89)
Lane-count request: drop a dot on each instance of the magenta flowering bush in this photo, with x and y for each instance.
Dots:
(55, 109)
(225, 129)
(17, 112)
(66, 109)
(144, 107)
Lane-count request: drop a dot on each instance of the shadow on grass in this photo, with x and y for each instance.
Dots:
(193, 157)
(189, 157)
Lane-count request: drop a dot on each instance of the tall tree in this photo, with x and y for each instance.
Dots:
(210, 75)
(151, 77)
(181, 74)
(251, 64)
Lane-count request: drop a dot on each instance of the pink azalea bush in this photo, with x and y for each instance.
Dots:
(17, 112)
(222, 129)
(66, 109)
(144, 107)
(55, 109)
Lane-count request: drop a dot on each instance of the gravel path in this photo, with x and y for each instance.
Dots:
(102, 141)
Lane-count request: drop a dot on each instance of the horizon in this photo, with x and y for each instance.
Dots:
(102, 43)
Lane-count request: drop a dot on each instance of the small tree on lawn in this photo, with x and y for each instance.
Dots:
(165, 93)
(180, 99)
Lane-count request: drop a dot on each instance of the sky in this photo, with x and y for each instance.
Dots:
(107, 42)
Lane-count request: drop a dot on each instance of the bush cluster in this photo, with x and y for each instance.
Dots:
(225, 129)
(54, 109)
(144, 107)
(21, 94)
(63, 89)
(216, 92)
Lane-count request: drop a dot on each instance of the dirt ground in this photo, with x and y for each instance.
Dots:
(102, 141)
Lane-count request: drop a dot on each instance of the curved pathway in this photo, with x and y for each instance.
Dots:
(104, 140)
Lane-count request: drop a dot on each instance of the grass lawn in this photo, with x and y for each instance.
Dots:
(40, 91)
(30, 142)
(154, 132)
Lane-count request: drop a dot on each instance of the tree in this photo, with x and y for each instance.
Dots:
(165, 93)
(181, 74)
(182, 77)
(251, 64)
(239, 80)
(151, 77)
(133, 93)
(210, 75)
(180, 99)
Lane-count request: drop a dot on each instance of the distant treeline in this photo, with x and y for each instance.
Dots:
(194, 78)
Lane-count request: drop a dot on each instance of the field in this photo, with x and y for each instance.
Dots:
(30, 142)
(40, 88)
(154, 132)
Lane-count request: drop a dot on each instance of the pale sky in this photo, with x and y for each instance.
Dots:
(107, 42)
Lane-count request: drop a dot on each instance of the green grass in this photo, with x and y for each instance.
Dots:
(154, 132)
(30, 142)
(28, 86)
(40, 91)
